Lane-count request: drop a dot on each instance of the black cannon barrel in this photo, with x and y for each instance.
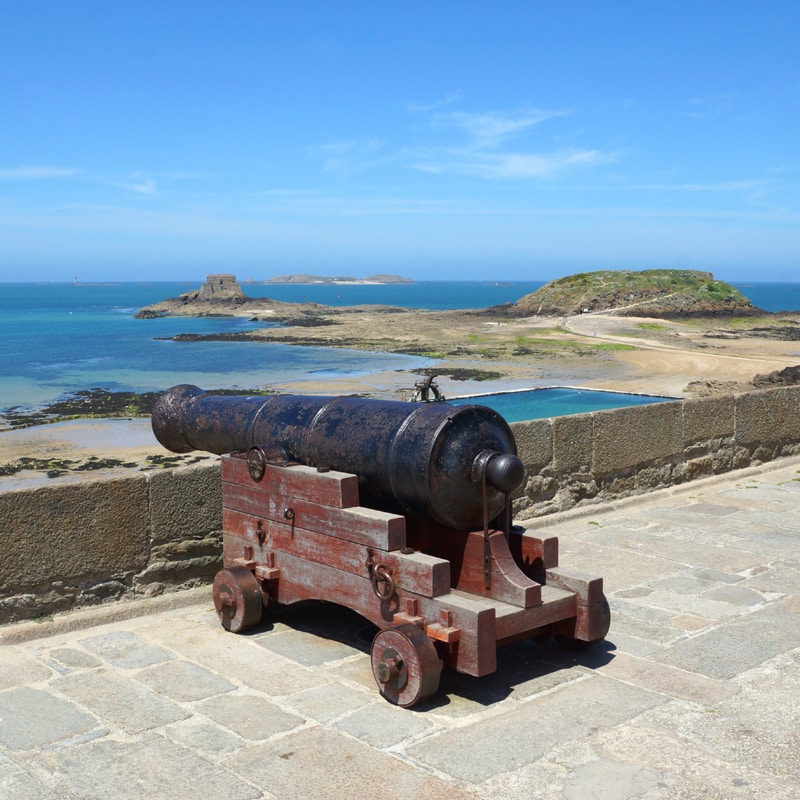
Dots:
(429, 460)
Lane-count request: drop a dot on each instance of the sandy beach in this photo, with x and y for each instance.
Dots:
(595, 351)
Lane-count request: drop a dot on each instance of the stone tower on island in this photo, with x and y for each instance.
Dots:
(220, 287)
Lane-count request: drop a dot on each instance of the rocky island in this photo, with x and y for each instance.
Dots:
(608, 330)
(669, 332)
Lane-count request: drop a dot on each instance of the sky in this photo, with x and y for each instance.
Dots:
(445, 140)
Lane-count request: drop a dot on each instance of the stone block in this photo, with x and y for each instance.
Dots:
(74, 531)
(654, 477)
(769, 418)
(24, 712)
(707, 418)
(185, 503)
(572, 443)
(625, 438)
(534, 443)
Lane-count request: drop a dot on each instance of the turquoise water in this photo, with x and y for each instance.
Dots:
(56, 339)
(60, 338)
(542, 403)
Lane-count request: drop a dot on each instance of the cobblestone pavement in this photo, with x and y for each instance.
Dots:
(695, 693)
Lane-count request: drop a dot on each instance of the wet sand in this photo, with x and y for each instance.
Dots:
(594, 351)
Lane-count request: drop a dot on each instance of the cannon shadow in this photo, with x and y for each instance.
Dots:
(524, 668)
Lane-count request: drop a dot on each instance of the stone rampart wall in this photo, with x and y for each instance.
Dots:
(626, 451)
(70, 545)
(76, 544)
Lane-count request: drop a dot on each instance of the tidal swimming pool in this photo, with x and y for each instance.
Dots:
(559, 402)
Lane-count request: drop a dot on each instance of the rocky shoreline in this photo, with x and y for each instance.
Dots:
(476, 350)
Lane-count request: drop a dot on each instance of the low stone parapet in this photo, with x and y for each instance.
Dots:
(70, 545)
(620, 452)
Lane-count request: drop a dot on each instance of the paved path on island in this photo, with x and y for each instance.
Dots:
(695, 693)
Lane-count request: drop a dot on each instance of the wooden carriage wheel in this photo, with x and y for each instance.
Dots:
(405, 665)
(237, 599)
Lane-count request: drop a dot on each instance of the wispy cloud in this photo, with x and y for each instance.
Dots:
(32, 173)
(491, 129)
(447, 100)
(751, 184)
(491, 145)
(141, 184)
(486, 149)
(354, 155)
(711, 106)
(499, 166)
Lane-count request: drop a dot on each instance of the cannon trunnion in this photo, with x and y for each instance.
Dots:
(363, 535)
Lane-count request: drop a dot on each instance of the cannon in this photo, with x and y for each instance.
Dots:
(399, 511)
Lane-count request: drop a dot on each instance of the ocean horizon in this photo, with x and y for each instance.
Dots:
(60, 338)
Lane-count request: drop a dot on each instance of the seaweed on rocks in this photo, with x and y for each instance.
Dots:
(96, 402)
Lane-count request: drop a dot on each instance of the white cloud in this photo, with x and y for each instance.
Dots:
(447, 100)
(479, 146)
(714, 186)
(498, 166)
(145, 186)
(493, 128)
(36, 173)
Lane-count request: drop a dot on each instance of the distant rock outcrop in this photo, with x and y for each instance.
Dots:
(788, 376)
(218, 295)
(663, 293)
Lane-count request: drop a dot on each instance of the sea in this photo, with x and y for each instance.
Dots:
(60, 338)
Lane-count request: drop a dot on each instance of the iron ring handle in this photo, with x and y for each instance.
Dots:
(382, 582)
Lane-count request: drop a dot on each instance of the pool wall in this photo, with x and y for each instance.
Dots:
(74, 544)
(621, 452)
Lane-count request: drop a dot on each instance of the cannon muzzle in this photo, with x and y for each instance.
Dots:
(432, 460)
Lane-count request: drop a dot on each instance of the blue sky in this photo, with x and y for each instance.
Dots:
(446, 140)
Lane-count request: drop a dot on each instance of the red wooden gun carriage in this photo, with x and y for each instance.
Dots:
(398, 511)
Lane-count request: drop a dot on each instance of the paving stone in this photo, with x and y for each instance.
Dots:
(634, 645)
(781, 576)
(321, 764)
(736, 596)
(16, 784)
(306, 648)
(719, 576)
(690, 622)
(205, 737)
(526, 733)
(671, 547)
(712, 509)
(667, 680)
(250, 716)
(151, 767)
(184, 681)
(383, 725)
(632, 626)
(620, 569)
(119, 701)
(239, 658)
(544, 668)
(742, 644)
(72, 658)
(691, 604)
(20, 669)
(354, 670)
(757, 726)
(326, 703)
(685, 583)
(606, 779)
(34, 718)
(697, 768)
(126, 650)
